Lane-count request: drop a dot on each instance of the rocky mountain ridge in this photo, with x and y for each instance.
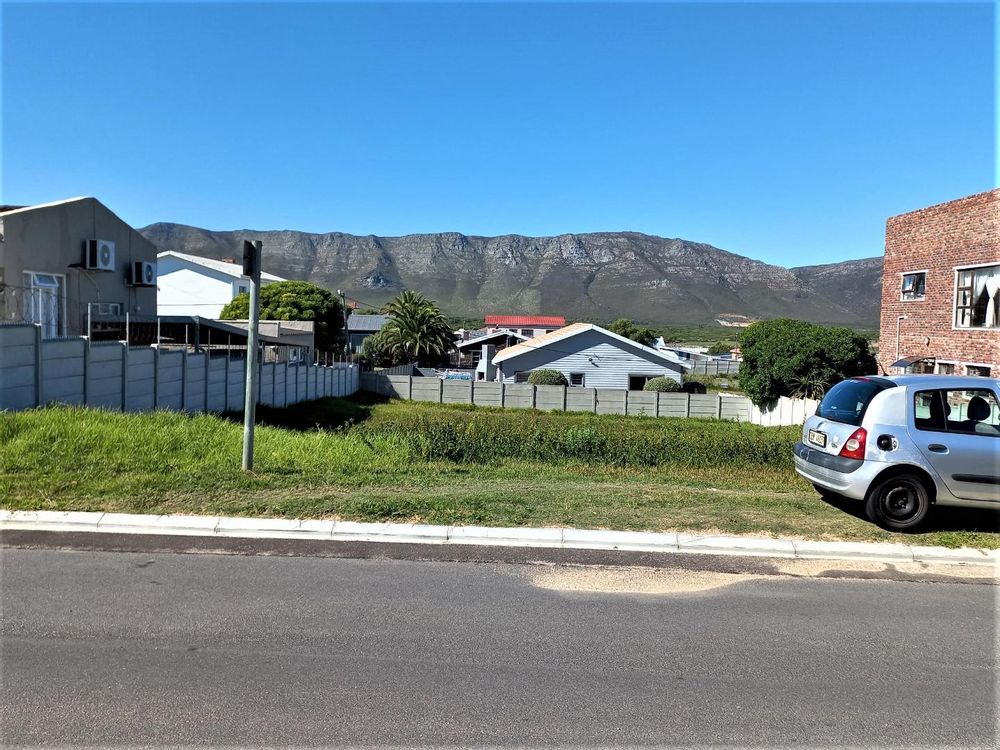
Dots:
(599, 276)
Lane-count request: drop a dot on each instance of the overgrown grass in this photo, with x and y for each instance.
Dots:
(365, 460)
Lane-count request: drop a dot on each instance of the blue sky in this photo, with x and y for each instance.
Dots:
(784, 132)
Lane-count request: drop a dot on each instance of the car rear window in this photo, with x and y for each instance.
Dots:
(846, 402)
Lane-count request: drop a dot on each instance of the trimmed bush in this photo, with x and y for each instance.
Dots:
(547, 377)
(693, 386)
(662, 385)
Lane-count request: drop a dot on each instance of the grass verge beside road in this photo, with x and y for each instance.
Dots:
(422, 463)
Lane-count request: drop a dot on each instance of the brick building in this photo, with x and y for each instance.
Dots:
(941, 289)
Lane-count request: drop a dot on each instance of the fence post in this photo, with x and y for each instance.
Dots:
(206, 354)
(503, 395)
(534, 396)
(226, 391)
(86, 370)
(124, 376)
(440, 390)
(39, 398)
(718, 409)
(156, 378)
(409, 388)
(656, 404)
(687, 405)
(565, 391)
(593, 401)
(184, 378)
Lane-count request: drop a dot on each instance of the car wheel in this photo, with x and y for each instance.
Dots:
(825, 492)
(898, 503)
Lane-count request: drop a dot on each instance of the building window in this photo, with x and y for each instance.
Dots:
(528, 333)
(977, 297)
(576, 379)
(978, 370)
(521, 377)
(913, 286)
(242, 289)
(945, 368)
(638, 382)
(45, 302)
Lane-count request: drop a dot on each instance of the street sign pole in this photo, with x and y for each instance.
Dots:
(251, 268)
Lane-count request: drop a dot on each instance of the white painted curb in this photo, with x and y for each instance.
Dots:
(637, 541)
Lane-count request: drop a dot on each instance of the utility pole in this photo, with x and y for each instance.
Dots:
(251, 268)
(343, 307)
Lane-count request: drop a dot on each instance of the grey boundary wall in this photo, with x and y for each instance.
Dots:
(36, 371)
(726, 406)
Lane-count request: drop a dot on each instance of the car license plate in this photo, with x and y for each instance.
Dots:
(817, 438)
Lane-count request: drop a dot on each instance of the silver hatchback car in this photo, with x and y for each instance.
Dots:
(902, 443)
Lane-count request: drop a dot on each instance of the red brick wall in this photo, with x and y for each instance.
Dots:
(938, 238)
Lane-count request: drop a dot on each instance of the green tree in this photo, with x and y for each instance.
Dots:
(788, 357)
(295, 300)
(628, 329)
(720, 347)
(416, 331)
(547, 377)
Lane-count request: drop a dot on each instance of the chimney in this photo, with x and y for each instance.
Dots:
(491, 370)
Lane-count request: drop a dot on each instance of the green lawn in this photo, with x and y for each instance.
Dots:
(360, 460)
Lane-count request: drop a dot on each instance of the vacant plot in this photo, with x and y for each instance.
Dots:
(361, 460)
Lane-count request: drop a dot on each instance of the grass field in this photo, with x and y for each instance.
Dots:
(402, 461)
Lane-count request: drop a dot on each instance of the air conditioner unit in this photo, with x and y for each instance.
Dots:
(143, 273)
(100, 255)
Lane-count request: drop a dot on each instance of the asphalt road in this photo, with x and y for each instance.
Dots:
(114, 648)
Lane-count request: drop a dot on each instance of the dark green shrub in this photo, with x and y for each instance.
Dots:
(787, 357)
(662, 385)
(547, 377)
(693, 386)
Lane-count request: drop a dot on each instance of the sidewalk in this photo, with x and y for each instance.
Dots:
(560, 538)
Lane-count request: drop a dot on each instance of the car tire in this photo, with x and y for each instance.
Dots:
(898, 503)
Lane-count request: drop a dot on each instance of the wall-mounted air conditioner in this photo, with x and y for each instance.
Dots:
(143, 273)
(100, 255)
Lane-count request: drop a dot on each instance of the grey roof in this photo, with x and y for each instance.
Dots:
(366, 322)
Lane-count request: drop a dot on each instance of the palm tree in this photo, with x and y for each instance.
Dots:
(416, 329)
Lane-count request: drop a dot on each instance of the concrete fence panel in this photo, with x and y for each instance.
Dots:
(518, 396)
(456, 391)
(63, 371)
(642, 403)
(217, 367)
(705, 405)
(104, 375)
(736, 408)
(550, 397)
(581, 399)
(672, 404)
(398, 386)
(611, 401)
(170, 380)
(141, 384)
(427, 389)
(194, 381)
(487, 394)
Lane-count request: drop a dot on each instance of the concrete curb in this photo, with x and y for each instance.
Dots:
(636, 541)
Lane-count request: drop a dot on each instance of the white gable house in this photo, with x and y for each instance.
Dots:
(589, 356)
(192, 285)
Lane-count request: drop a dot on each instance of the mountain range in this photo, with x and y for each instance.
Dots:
(597, 276)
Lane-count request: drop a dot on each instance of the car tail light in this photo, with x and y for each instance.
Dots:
(855, 445)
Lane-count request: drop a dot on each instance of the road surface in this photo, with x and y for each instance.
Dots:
(117, 648)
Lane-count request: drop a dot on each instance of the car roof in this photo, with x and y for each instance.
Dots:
(943, 381)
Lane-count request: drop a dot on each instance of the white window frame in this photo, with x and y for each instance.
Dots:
(28, 277)
(583, 379)
(954, 301)
(987, 365)
(953, 362)
(903, 275)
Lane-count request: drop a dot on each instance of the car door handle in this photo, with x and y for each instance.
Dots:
(937, 448)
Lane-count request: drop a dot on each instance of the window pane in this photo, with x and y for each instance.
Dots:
(973, 410)
(929, 410)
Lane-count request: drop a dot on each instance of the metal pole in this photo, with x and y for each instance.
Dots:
(89, 325)
(250, 402)
(126, 327)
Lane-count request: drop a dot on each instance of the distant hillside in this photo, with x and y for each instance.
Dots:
(602, 275)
